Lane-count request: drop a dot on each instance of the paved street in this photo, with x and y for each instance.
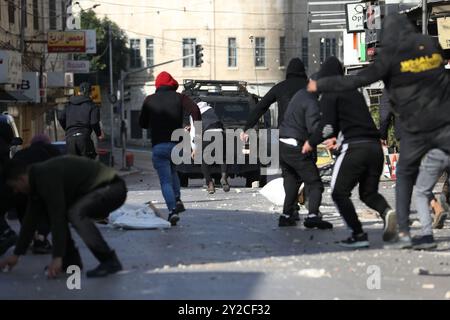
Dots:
(228, 246)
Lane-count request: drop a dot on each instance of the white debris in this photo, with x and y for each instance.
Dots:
(314, 273)
(416, 224)
(428, 286)
(238, 190)
(255, 184)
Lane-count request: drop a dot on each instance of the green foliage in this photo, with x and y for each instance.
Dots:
(100, 61)
(375, 112)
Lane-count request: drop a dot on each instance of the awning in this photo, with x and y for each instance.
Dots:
(13, 96)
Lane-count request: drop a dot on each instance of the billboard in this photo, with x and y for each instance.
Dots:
(66, 41)
(354, 13)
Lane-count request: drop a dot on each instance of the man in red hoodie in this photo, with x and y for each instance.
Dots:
(163, 113)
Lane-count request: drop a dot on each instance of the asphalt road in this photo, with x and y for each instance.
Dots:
(228, 246)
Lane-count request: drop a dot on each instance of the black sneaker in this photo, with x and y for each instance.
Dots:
(7, 240)
(355, 241)
(173, 218)
(286, 221)
(41, 247)
(179, 207)
(317, 222)
(105, 268)
(296, 216)
(390, 226)
(424, 243)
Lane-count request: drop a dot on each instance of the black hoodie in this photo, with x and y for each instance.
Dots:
(344, 112)
(412, 68)
(281, 93)
(81, 115)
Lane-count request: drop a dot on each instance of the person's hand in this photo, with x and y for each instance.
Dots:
(101, 137)
(307, 148)
(193, 154)
(187, 128)
(54, 268)
(312, 86)
(330, 144)
(244, 137)
(9, 262)
(383, 142)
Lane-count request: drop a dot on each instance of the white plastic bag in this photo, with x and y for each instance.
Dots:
(274, 191)
(136, 217)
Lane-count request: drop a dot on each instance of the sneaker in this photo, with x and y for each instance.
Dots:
(7, 240)
(424, 243)
(296, 215)
(179, 207)
(225, 185)
(286, 221)
(439, 219)
(390, 226)
(312, 222)
(211, 188)
(105, 268)
(399, 242)
(41, 247)
(355, 241)
(173, 218)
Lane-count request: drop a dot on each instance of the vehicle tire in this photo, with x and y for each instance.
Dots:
(184, 180)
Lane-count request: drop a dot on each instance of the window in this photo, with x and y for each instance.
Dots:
(232, 53)
(52, 14)
(305, 52)
(282, 51)
(35, 15)
(63, 15)
(260, 52)
(11, 12)
(135, 53)
(149, 52)
(189, 49)
(327, 48)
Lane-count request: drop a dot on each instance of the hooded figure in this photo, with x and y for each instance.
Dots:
(281, 93)
(79, 118)
(361, 159)
(162, 113)
(411, 66)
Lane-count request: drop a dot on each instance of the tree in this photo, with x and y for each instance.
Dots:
(100, 61)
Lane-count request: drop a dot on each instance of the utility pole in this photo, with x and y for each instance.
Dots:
(23, 16)
(424, 17)
(111, 93)
(214, 33)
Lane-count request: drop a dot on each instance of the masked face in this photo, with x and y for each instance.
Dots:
(20, 184)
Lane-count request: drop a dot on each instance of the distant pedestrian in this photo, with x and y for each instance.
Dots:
(162, 113)
(79, 118)
(211, 123)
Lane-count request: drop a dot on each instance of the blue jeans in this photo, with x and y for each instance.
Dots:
(168, 177)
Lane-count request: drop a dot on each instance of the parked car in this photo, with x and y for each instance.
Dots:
(17, 140)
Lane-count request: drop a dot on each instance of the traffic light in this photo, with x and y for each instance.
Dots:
(198, 55)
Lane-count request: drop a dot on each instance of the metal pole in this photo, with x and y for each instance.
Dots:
(23, 15)
(123, 124)
(424, 17)
(111, 93)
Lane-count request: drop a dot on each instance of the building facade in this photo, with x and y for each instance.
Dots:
(23, 29)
